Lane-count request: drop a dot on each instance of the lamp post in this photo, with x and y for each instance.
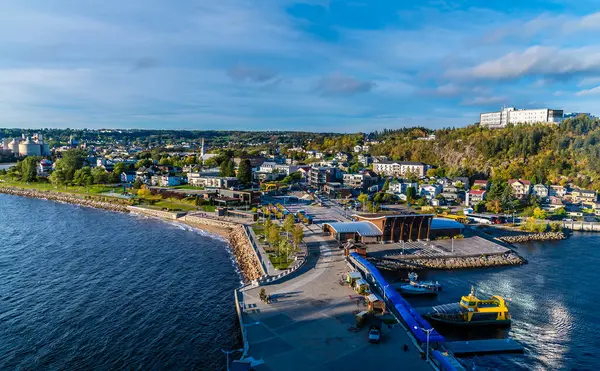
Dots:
(244, 325)
(428, 331)
(228, 352)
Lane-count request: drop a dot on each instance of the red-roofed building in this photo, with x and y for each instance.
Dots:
(475, 196)
(520, 187)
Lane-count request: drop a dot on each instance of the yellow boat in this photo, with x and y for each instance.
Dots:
(471, 311)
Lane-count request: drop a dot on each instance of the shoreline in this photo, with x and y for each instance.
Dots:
(247, 263)
(509, 258)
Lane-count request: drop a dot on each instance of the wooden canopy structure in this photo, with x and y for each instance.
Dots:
(400, 227)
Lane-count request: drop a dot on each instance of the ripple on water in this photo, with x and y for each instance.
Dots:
(87, 289)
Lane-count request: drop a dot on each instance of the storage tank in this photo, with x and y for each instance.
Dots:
(14, 146)
(45, 149)
(30, 148)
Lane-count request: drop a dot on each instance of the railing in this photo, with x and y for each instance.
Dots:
(256, 251)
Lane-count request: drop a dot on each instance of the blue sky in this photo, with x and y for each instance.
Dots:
(313, 65)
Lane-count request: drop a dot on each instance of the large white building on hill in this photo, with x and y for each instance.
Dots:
(520, 116)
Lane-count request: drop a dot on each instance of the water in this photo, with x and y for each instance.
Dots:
(84, 289)
(554, 301)
(6, 166)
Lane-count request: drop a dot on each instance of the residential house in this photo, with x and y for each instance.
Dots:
(365, 159)
(429, 191)
(453, 193)
(400, 187)
(337, 190)
(44, 168)
(359, 181)
(128, 176)
(267, 167)
(379, 159)
(320, 175)
(208, 181)
(540, 190)
(481, 184)
(342, 157)
(557, 191)
(553, 203)
(475, 196)
(461, 180)
(145, 173)
(584, 196)
(166, 180)
(520, 187)
(400, 168)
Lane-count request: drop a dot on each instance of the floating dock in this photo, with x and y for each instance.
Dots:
(480, 347)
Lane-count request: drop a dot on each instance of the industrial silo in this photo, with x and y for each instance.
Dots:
(29, 148)
(14, 146)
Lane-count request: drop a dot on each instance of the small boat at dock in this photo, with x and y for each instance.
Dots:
(416, 287)
(471, 311)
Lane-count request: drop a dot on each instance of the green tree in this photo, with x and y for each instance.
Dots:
(560, 212)
(479, 207)
(58, 177)
(119, 168)
(143, 163)
(363, 198)
(386, 185)
(29, 168)
(144, 192)
(138, 183)
(540, 213)
(99, 175)
(288, 224)
(245, 171)
(71, 161)
(230, 168)
(411, 193)
(297, 235)
(83, 176)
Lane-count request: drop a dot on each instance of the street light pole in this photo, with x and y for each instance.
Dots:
(228, 352)
(428, 331)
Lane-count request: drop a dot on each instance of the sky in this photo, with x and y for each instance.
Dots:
(303, 65)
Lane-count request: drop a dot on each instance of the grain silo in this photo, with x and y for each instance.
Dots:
(29, 148)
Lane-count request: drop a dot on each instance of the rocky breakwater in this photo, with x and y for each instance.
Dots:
(89, 201)
(462, 262)
(241, 247)
(544, 236)
(244, 253)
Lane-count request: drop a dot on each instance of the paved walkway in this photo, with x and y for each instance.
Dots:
(306, 326)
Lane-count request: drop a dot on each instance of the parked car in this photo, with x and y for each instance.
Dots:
(374, 335)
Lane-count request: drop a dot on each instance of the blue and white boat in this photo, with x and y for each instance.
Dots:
(416, 287)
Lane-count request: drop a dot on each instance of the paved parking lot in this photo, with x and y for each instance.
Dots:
(306, 326)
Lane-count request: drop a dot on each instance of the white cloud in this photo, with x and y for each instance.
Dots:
(484, 101)
(535, 61)
(592, 91)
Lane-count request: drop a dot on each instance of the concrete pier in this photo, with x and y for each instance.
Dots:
(481, 347)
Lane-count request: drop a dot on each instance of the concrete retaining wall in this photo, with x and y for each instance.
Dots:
(155, 213)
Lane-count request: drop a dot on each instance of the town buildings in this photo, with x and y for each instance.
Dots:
(318, 176)
(400, 168)
(511, 115)
(360, 181)
(475, 196)
(520, 187)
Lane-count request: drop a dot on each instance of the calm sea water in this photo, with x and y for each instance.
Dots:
(554, 304)
(84, 289)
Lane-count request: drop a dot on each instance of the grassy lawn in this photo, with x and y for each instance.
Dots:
(172, 206)
(94, 189)
(185, 186)
(279, 261)
(209, 208)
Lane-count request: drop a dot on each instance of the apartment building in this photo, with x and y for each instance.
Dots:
(400, 168)
(520, 116)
